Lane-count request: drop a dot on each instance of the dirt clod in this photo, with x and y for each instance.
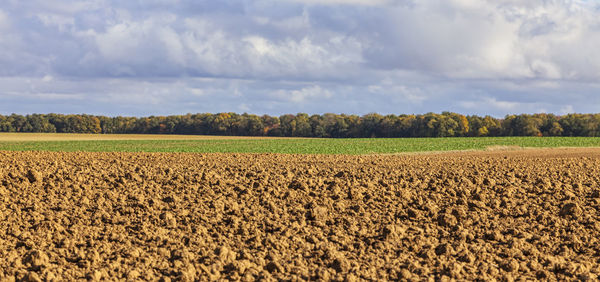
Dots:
(133, 274)
(340, 264)
(511, 266)
(393, 231)
(298, 185)
(273, 266)
(443, 249)
(168, 219)
(168, 199)
(447, 220)
(33, 176)
(95, 275)
(318, 213)
(36, 259)
(32, 277)
(570, 209)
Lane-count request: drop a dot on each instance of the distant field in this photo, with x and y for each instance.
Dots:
(18, 137)
(213, 144)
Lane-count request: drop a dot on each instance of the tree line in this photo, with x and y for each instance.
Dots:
(446, 124)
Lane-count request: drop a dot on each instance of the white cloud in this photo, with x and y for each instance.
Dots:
(493, 39)
(4, 21)
(302, 57)
(244, 107)
(210, 47)
(173, 44)
(288, 24)
(47, 78)
(491, 103)
(65, 7)
(399, 93)
(58, 96)
(196, 46)
(130, 41)
(567, 109)
(343, 2)
(120, 41)
(61, 22)
(503, 105)
(199, 92)
(302, 95)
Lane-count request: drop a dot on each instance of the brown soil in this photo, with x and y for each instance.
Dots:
(480, 215)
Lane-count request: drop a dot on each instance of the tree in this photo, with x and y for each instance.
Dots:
(387, 127)
(220, 124)
(406, 125)
(252, 125)
(447, 124)
(335, 125)
(459, 126)
(302, 126)
(353, 125)
(369, 126)
(38, 123)
(522, 125)
(18, 122)
(317, 125)
(287, 124)
(6, 124)
(272, 125)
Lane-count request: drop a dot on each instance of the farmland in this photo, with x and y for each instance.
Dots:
(141, 207)
(223, 144)
(530, 214)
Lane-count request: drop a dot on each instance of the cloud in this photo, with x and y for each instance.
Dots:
(302, 95)
(4, 21)
(170, 45)
(343, 2)
(399, 92)
(267, 56)
(457, 39)
(567, 109)
(491, 39)
(302, 57)
(490, 102)
(47, 78)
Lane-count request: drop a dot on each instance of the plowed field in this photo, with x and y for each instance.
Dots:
(493, 215)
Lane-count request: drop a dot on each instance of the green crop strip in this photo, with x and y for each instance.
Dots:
(301, 146)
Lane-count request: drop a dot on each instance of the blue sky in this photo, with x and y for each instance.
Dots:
(160, 57)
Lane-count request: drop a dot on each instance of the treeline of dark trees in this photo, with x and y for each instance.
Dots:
(446, 124)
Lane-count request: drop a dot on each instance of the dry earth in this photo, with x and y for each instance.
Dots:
(530, 214)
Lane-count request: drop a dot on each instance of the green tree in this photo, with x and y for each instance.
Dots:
(302, 126)
(317, 125)
(369, 125)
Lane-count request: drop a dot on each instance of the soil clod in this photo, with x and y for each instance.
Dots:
(570, 209)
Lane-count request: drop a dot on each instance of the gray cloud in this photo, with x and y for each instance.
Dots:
(353, 56)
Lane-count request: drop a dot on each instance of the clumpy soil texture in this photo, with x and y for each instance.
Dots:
(495, 215)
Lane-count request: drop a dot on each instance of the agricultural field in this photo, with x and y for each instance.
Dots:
(225, 144)
(516, 214)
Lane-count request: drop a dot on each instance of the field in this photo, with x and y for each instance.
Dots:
(531, 214)
(220, 144)
(150, 207)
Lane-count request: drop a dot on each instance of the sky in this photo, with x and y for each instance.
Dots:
(164, 57)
